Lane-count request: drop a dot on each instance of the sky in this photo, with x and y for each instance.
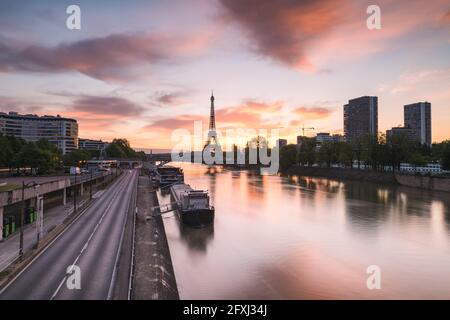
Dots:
(142, 69)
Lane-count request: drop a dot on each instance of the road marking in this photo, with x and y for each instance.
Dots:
(119, 189)
(113, 278)
(50, 244)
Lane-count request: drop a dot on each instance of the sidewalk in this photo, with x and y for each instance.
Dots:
(9, 247)
(154, 277)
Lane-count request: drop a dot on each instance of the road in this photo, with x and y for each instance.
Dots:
(92, 242)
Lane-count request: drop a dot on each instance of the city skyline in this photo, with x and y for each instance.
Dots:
(173, 57)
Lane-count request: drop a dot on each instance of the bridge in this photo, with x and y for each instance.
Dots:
(154, 157)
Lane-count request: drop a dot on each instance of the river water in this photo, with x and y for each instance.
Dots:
(310, 238)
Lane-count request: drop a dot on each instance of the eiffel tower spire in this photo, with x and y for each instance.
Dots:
(212, 118)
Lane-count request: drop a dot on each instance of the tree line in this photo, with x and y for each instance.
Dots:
(43, 157)
(378, 154)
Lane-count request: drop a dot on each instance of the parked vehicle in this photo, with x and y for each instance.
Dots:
(75, 170)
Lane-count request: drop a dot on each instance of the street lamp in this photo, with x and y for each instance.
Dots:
(75, 194)
(90, 184)
(22, 215)
(40, 217)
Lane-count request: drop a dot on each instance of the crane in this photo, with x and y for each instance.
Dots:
(303, 129)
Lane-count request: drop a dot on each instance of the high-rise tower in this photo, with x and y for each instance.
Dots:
(361, 118)
(418, 118)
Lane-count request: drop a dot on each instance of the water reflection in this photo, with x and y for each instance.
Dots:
(196, 239)
(300, 237)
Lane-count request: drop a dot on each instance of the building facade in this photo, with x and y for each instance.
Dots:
(323, 137)
(89, 144)
(62, 132)
(417, 117)
(408, 133)
(361, 118)
(281, 143)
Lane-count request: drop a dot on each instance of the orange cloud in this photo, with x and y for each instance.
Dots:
(312, 113)
(250, 114)
(308, 34)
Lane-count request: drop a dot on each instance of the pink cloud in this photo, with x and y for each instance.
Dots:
(110, 58)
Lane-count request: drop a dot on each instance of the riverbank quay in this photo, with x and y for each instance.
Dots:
(153, 275)
(432, 183)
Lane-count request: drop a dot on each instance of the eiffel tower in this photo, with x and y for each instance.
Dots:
(212, 145)
(212, 134)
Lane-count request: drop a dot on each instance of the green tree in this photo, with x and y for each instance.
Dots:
(307, 152)
(7, 152)
(398, 147)
(32, 156)
(328, 153)
(120, 148)
(445, 155)
(417, 159)
(345, 154)
(76, 157)
(288, 156)
(114, 150)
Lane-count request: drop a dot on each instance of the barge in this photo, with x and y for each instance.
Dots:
(194, 207)
(168, 175)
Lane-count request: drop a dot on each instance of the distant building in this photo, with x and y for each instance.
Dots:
(338, 138)
(361, 118)
(89, 144)
(418, 118)
(323, 137)
(428, 168)
(300, 140)
(62, 132)
(408, 133)
(281, 143)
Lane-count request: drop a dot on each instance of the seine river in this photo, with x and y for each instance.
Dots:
(310, 238)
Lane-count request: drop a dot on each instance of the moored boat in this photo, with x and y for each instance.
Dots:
(168, 175)
(193, 205)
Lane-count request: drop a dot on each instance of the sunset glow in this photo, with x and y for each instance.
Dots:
(143, 70)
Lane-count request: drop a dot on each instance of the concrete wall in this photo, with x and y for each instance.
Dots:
(342, 174)
(1, 223)
(10, 197)
(424, 182)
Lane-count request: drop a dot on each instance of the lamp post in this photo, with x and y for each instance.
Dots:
(75, 194)
(40, 218)
(22, 214)
(90, 185)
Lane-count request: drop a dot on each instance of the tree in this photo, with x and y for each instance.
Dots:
(115, 151)
(120, 148)
(328, 153)
(417, 159)
(9, 146)
(345, 154)
(31, 156)
(398, 150)
(7, 153)
(288, 156)
(445, 155)
(256, 143)
(76, 157)
(307, 152)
